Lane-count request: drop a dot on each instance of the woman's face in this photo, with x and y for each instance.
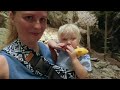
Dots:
(30, 25)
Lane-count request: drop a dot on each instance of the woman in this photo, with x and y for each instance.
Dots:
(25, 57)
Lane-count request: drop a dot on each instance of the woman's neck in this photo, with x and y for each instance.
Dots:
(31, 44)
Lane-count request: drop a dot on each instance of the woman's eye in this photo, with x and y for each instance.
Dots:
(43, 20)
(29, 18)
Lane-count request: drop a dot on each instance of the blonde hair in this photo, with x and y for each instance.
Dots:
(12, 30)
(69, 28)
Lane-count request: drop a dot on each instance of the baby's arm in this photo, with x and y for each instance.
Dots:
(79, 69)
(52, 46)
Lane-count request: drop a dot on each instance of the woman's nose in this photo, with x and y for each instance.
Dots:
(37, 25)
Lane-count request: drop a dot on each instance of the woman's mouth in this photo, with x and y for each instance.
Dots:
(35, 34)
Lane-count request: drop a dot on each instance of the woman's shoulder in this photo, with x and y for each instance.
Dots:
(42, 45)
(3, 67)
(2, 59)
(45, 51)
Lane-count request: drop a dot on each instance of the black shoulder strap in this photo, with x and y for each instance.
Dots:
(44, 67)
(39, 63)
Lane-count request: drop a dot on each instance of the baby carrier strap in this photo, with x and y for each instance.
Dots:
(39, 63)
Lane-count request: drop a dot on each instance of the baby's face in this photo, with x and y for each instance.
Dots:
(69, 39)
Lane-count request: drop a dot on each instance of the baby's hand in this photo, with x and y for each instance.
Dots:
(54, 45)
(62, 46)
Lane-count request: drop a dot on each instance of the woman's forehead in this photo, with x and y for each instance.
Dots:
(33, 12)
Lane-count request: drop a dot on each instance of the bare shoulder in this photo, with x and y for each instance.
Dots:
(2, 60)
(3, 68)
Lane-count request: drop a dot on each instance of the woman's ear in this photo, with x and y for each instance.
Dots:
(11, 16)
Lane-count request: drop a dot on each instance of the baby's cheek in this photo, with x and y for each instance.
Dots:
(75, 45)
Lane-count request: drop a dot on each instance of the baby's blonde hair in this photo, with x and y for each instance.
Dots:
(69, 28)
